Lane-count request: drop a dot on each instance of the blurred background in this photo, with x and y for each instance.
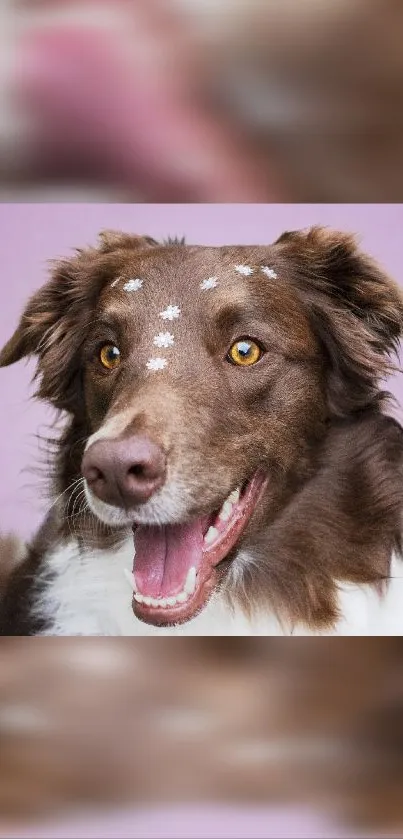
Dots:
(309, 734)
(201, 100)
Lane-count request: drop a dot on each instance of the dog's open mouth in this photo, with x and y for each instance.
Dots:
(176, 566)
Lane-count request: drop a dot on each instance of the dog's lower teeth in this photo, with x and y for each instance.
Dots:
(170, 601)
(234, 496)
(164, 602)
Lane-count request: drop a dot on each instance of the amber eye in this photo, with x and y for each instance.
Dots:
(245, 352)
(109, 357)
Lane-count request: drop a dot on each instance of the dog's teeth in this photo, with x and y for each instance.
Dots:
(130, 578)
(170, 601)
(190, 582)
(210, 537)
(226, 511)
(154, 602)
(234, 496)
(163, 602)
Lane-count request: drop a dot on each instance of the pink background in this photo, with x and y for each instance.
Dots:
(198, 823)
(32, 234)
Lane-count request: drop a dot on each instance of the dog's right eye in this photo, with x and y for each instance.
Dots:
(110, 357)
(244, 352)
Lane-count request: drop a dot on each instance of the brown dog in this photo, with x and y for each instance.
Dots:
(225, 405)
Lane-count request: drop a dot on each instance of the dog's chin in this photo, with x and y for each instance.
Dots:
(177, 566)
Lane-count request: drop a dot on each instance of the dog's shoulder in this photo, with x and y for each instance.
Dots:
(19, 596)
(23, 580)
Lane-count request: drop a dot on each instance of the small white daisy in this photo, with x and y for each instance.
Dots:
(170, 313)
(269, 272)
(156, 363)
(133, 285)
(164, 339)
(210, 283)
(244, 269)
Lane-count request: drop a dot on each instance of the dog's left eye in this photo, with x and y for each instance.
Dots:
(244, 352)
(109, 357)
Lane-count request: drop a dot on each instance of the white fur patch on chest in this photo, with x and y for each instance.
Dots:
(87, 594)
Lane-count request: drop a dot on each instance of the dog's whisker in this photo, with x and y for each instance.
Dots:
(72, 499)
(71, 518)
(68, 489)
(78, 499)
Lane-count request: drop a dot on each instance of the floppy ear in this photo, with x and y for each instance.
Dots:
(57, 317)
(52, 328)
(356, 311)
(39, 317)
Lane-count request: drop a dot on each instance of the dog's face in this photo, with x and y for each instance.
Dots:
(201, 382)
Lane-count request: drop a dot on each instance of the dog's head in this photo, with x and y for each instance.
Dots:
(202, 384)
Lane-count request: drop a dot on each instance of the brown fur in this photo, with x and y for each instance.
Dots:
(310, 413)
(12, 554)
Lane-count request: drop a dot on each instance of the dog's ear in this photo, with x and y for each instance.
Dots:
(41, 315)
(51, 328)
(57, 317)
(355, 308)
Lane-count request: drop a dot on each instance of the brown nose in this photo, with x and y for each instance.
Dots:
(124, 473)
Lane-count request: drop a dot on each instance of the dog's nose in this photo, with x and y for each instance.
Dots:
(124, 472)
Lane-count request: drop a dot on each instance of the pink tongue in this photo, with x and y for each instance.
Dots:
(164, 556)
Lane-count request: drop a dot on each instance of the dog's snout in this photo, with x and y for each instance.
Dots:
(124, 472)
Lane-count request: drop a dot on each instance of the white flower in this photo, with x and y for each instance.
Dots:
(164, 339)
(156, 363)
(170, 313)
(133, 285)
(244, 269)
(269, 272)
(210, 283)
